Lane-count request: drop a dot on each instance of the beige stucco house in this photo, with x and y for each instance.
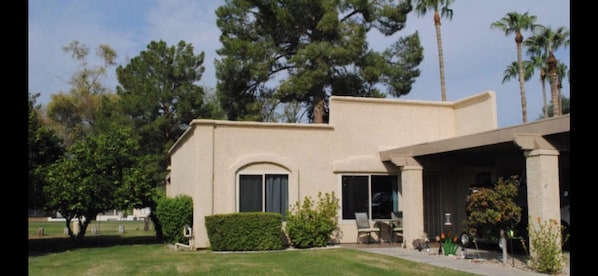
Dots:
(421, 156)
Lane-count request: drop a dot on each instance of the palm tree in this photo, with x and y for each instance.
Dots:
(421, 8)
(513, 70)
(515, 22)
(535, 50)
(561, 71)
(544, 43)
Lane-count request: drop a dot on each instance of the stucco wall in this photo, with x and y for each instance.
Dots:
(365, 125)
(476, 113)
(205, 162)
(192, 161)
(274, 147)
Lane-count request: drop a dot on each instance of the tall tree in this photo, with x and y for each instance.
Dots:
(311, 50)
(441, 9)
(544, 43)
(515, 23)
(72, 114)
(45, 147)
(562, 70)
(559, 38)
(535, 46)
(158, 92)
(540, 63)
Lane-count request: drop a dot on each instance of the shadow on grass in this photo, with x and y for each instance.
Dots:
(39, 247)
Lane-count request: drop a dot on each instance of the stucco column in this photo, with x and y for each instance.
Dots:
(413, 203)
(543, 199)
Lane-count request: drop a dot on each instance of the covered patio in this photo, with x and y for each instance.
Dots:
(437, 176)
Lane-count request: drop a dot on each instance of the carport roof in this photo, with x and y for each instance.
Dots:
(522, 137)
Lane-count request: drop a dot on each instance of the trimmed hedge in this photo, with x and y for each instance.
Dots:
(247, 231)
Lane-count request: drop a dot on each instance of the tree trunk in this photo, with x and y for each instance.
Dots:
(440, 55)
(554, 90)
(69, 228)
(542, 80)
(318, 109)
(503, 246)
(560, 85)
(521, 83)
(82, 228)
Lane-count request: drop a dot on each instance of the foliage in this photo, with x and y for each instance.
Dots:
(543, 44)
(515, 23)
(448, 243)
(73, 114)
(97, 173)
(545, 242)
(564, 104)
(512, 71)
(174, 214)
(44, 148)
(541, 47)
(158, 92)
(110, 113)
(311, 223)
(245, 231)
(305, 51)
(157, 195)
(494, 209)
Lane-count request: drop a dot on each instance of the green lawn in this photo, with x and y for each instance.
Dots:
(112, 253)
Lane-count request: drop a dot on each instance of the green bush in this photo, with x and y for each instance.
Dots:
(490, 210)
(545, 240)
(174, 214)
(247, 231)
(312, 223)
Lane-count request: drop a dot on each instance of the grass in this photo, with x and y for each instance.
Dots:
(111, 253)
(55, 229)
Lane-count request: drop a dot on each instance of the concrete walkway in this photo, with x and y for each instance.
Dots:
(481, 262)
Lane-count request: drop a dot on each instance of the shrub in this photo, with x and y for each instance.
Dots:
(490, 210)
(174, 214)
(246, 231)
(545, 242)
(312, 223)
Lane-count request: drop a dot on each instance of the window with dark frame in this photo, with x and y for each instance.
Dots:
(376, 195)
(264, 193)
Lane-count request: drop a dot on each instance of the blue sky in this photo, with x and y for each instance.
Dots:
(475, 55)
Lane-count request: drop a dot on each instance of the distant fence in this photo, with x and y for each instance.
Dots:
(99, 218)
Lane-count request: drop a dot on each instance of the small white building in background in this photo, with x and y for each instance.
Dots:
(114, 215)
(138, 214)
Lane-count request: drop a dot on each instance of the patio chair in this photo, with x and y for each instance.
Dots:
(364, 227)
(396, 226)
